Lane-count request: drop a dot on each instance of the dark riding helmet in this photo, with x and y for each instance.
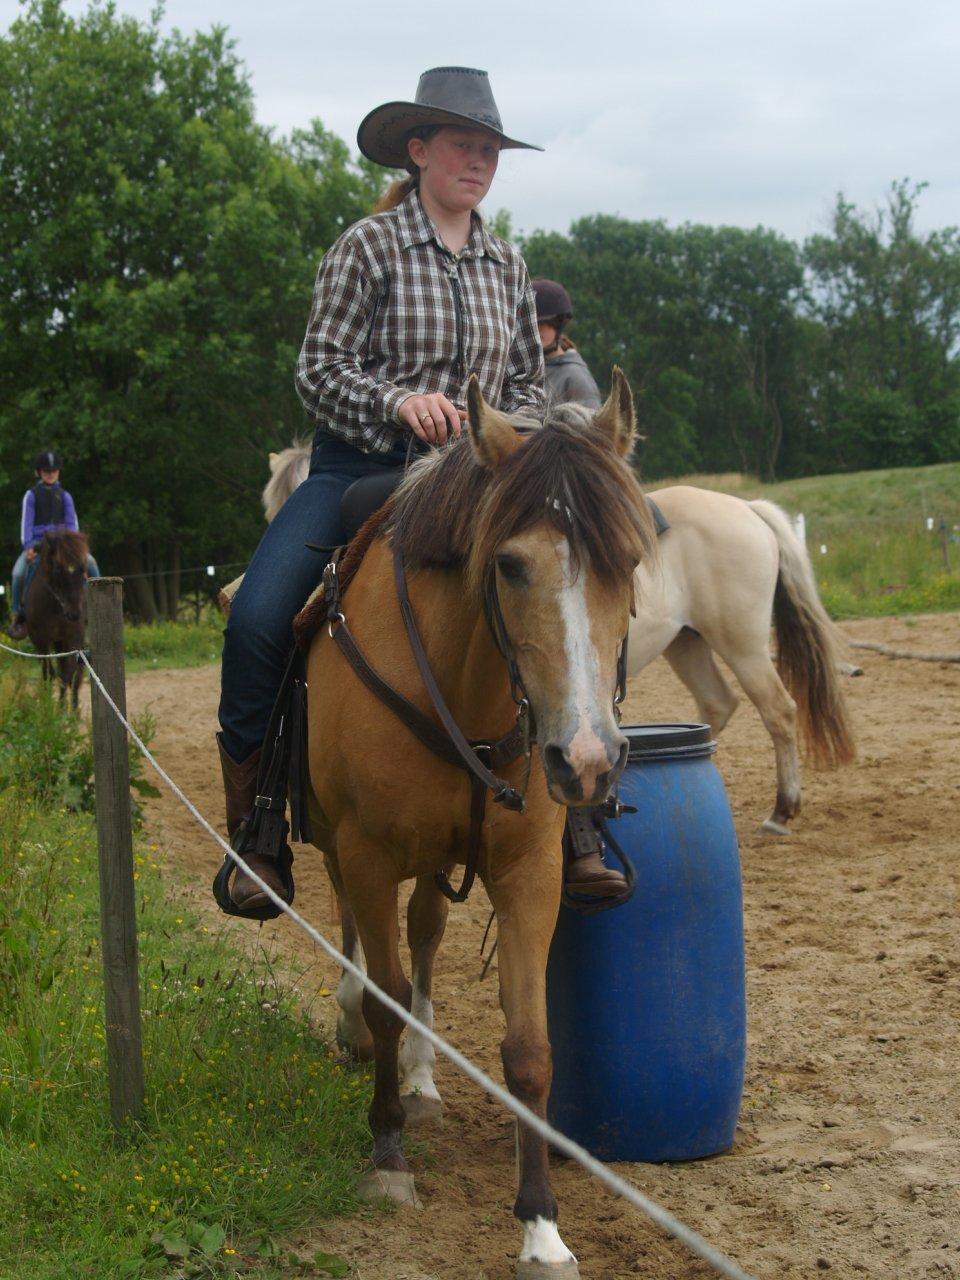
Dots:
(553, 301)
(48, 460)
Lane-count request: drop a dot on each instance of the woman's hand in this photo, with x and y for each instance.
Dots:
(433, 418)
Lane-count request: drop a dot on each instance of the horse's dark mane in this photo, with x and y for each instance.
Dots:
(64, 549)
(454, 512)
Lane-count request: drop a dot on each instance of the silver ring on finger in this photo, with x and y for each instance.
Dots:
(426, 417)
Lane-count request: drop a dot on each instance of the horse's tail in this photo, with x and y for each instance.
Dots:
(808, 647)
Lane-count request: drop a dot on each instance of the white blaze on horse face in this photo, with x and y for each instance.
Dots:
(542, 1243)
(586, 751)
(417, 1055)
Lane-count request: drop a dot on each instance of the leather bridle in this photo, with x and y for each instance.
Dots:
(476, 757)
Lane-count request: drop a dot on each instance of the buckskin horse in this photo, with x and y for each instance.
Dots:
(503, 571)
(56, 606)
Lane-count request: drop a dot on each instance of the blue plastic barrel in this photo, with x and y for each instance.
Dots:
(646, 1002)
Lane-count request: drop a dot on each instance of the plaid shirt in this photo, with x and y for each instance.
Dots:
(396, 314)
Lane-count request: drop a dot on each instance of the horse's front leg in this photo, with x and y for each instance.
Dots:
(426, 921)
(371, 885)
(70, 672)
(526, 904)
(353, 1034)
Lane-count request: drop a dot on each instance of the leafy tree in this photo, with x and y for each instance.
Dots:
(700, 318)
(888, 385)
(157, 248)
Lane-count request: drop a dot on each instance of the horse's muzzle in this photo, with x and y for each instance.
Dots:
(577, 775)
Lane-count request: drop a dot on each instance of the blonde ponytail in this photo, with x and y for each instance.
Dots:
(396, 192)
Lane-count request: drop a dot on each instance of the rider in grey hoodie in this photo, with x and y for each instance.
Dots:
(566, 372)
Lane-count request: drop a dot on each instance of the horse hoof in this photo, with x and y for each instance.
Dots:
(548, 1271)
(422, 1111)
(773, 828)
(389, 1184)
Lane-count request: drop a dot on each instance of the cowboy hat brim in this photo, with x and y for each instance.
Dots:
(382, 136)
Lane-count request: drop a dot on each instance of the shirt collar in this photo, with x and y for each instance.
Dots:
(415, 228)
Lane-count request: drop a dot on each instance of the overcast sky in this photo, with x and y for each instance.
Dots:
(732, 111)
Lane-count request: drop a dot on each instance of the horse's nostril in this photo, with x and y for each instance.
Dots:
(557, 764)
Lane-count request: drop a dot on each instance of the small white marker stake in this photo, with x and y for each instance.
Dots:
(823, 548)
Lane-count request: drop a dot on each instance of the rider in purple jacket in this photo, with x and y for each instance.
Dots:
(47, 505)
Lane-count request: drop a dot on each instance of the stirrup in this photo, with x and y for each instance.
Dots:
(281, 856)
(587, 831)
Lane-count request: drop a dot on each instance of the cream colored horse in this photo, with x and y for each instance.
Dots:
(727, 567)
(554, 518)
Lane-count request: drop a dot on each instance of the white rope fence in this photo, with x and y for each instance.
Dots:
(657, 1213)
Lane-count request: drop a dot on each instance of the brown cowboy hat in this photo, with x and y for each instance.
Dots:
(445, 95)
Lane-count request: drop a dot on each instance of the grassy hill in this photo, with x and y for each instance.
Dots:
(880, 557)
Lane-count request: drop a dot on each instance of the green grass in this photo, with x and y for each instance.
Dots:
(880, 558)
(174, 644)
(251, 1127)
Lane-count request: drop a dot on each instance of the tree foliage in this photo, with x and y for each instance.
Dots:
(754, 354)
(157, 247)
(156, 252)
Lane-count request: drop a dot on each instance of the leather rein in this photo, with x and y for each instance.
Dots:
(476, 757)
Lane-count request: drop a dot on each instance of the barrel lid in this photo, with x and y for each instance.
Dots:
(655, 741)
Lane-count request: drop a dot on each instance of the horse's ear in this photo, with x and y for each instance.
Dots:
(491, 433)
(273, 462)
(617, 418)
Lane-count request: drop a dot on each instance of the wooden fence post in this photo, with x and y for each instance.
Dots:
(118, 918)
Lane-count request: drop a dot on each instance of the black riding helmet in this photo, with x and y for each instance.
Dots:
(48, 460)
(553, 301)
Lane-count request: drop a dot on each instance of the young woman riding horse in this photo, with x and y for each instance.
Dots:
(407, 304)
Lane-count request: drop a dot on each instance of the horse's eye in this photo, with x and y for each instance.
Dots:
(512, 568)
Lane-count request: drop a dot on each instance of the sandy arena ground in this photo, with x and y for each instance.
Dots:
(847, 1160)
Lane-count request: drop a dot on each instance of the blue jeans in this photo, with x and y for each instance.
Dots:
(281, 575)
(23, 572)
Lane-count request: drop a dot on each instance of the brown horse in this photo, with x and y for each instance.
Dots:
(553, 518)
(56, 606)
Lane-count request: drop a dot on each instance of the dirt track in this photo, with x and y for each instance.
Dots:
(848, 1156)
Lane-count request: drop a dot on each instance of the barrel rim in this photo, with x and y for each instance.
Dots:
(656, 741)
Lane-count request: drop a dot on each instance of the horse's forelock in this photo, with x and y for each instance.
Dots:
(452, 511)
(64, 549)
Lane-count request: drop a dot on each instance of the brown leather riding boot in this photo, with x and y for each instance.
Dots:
(240, 792)
(17, 630)
(584, 870)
